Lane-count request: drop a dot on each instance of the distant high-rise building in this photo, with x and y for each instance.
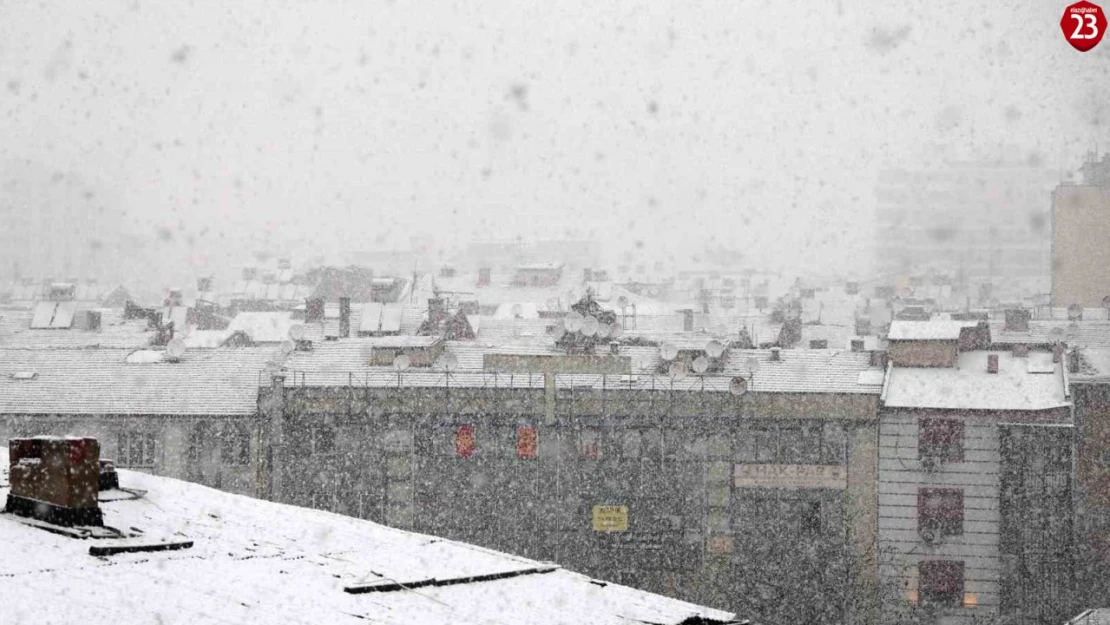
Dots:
(1080, 236)
(981, 221)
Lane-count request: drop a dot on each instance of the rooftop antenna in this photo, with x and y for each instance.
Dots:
(400, 363)
(450, 363)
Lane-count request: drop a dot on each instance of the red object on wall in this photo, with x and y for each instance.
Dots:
(465, 442)
(77, 451)
(527, 440)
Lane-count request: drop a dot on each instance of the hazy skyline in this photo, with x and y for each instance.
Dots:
(350, 124)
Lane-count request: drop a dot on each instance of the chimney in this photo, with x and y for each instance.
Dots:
(879, 359)
(1017, 320)
(587, 275)
(1020, 350)
(437, 308)
(1073, 361)
(484, 276)
(344, 317)
(776, 353)
(92, 320)
(314, 310)
(687, 320)
(204, 284)
(250, 273)
(857, 345)
(1058, 352)
(614, 347)
(992, 363)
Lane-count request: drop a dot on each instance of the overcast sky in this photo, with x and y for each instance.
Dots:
(353, 123)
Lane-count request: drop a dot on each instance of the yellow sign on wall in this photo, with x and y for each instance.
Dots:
(610, 518)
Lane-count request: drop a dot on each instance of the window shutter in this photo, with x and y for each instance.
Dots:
(527, 439)
(465, 442)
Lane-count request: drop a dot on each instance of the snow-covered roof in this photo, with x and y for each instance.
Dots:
(968, 386)
(264, 327)
(254, 561)
(931, 330)
(115, 331)
(796, 371)
(102, 381)
(1086, 333)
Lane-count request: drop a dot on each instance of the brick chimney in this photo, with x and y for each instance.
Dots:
(776, 353)
(344, 317)
(992, 363)
(1017, 320)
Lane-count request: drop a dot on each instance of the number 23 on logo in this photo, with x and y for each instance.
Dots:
(1083, 24)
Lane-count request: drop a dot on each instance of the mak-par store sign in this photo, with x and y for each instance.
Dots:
(790, 476)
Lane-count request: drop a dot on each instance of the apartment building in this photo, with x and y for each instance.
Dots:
(975, 487)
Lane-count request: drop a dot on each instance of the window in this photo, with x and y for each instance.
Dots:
(941, 510)
(465, 442)
(589, 445)
(235, 444)
(527, 439)
(941, 582)
(136, 449)
(941, 440)
(325, 439)
(782, 443)
(811, 517)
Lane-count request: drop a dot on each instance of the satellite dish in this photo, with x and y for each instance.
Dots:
(573, 321)
(518, 310)
(738, 386)
(287, 347)
(678, 370)
(1075, 312)
(589, 326)
(604, 330)
(753, 365)
(616, 330)
(558, 331)
(622, 301)
(668, 351)
(296, 332)
(175, 348)
(714, 349)
(701, 365)
(450, 361)
(401, 362)
(721, 329)
(1057, 333)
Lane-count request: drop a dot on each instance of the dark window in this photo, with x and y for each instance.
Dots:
(941, 582)
(235, 444)
(589, 445)
(941, 510)
(136, 449)
(811, 517)
(527, 440)
(325, 439)
(942, 440)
